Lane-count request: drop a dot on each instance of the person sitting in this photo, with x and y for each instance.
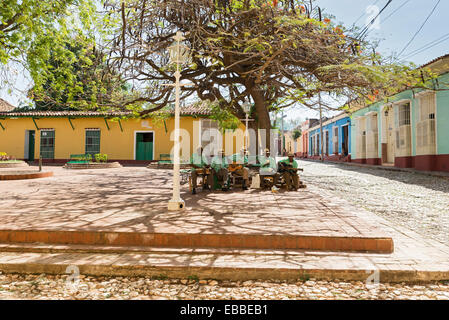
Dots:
(200, 168)
(219, 165)
(268, 167)
(288, 169)
(238, 168)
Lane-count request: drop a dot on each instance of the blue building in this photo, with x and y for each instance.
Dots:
(336, 137)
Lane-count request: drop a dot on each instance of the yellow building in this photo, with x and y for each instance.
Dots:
(56, 135)
(291, 145)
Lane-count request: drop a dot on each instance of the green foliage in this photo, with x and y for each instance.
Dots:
(193, 277)
(159, 118)
(75, 75)
(5, 158)
(297, 134)
(226, 120)
(24, 20)
(100, 157)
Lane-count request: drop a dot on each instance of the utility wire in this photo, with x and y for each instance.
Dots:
(403, 4)
(363, 14)
(397, 9)
(427, 46)
(364, 30)
(419, 30)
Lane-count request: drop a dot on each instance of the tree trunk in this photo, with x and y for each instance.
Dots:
(263, 116)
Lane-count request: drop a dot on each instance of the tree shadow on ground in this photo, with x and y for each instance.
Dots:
(135, 200)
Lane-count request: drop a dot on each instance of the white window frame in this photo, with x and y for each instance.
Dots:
(135, 142)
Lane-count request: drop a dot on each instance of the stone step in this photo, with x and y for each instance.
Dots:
(219, 264)
(200, 240)
(51, 248)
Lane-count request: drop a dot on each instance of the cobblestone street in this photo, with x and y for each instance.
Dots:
(415, 201)
(57, 287)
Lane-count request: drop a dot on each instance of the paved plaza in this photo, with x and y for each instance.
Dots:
(133, 200)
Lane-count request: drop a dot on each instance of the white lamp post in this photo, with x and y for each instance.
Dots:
(247, 109)
(178, 55)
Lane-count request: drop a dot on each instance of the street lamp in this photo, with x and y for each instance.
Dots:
(178, 54)
(247, 109)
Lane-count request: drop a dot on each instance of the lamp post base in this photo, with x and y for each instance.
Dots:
(176, 205)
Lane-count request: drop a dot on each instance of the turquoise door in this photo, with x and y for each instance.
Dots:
(144, 146)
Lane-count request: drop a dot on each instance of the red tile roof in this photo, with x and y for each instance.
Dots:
(5, 106)
(435, 60)
(190, 110)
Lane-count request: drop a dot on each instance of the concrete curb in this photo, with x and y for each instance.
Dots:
(25, 175)
(216, 272)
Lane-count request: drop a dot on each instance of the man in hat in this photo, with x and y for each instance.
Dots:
(268, 167)
(288, 168)
(219, 165)
(239, 161)
(200, 168)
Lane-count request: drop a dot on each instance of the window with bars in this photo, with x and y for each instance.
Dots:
(404, 114)
(335, 140)
(207, 128)
(93, 141)
(47, 147)
(426, 107)
(425, 126)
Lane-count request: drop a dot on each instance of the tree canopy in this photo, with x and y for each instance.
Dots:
(92, 83)
(26, 23)
(274, 53)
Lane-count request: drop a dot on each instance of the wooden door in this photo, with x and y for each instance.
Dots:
(144, 146)
(390, 136)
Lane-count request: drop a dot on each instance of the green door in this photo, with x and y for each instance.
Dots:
(144, 146)
(31, 136)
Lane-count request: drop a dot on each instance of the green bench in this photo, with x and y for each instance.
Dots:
(163, 158)
(80, 158)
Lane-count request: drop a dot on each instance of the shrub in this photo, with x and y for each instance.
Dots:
(100, 157)
(4, 157)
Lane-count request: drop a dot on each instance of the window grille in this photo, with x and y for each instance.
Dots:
(207, 128)
(93, 141)
(425, 126)
(47, 145)
(404, 114)
(335, 139)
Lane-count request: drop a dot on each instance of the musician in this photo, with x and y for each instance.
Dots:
(238, 163)
(268, 166)
(288, 169)
(219, 165)
(200, 167)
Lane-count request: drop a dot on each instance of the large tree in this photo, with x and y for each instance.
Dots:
(274, 52)
(24, 23)
(92, 84)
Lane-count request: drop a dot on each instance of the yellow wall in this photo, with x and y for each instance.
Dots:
(290, 143)
(116, 144)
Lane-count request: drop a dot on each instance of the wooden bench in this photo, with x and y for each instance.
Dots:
(80, 158)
